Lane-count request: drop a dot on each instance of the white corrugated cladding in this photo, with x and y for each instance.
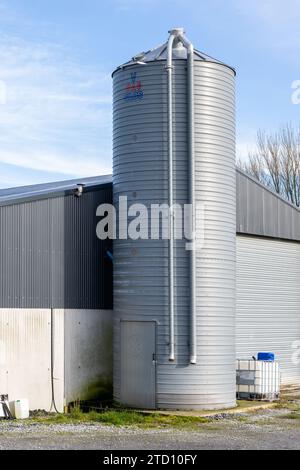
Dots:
(268, 302)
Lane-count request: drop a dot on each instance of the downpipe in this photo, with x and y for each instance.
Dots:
(178, 34)
(171, 188)
(192, 199)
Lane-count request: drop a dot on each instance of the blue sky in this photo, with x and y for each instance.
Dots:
(56, 58)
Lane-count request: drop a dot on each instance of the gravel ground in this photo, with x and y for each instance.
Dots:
(269, 429)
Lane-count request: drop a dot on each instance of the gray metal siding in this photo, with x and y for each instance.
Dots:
(141, 267)
(268, 302)
(50, 256)
(264, 213)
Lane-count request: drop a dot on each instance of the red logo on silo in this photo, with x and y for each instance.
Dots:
(134, 89)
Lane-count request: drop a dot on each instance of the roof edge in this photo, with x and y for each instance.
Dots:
(132, 64)
(266, 188)
(45, 191)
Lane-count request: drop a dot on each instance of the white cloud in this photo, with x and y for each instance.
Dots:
(56, 116)
(65, 164)
(15, 178)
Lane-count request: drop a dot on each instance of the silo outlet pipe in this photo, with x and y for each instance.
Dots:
(171, 219)
(192, 199)
(178, 34)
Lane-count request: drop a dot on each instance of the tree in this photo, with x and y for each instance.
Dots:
(276, 163)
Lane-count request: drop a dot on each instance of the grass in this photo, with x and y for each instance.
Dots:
(124, 418)
(244, 404)
(292, 406)
(294, 415)
(289, 405)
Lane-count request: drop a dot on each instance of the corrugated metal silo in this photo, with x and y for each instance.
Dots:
(174, 310)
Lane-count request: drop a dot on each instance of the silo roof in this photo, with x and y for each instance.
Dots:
(159, 53)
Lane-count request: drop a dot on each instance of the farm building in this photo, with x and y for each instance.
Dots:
(55, 294)
(52, 264)
(159, 318)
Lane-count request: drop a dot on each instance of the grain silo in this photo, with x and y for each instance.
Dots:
(174, 309)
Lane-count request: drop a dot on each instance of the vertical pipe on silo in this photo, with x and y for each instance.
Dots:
(192, 200)
(169, 68)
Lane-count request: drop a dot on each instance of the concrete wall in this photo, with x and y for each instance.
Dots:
(25, 356)
(88, 354)
(82, 355)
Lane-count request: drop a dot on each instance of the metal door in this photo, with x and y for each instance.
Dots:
(138, 364)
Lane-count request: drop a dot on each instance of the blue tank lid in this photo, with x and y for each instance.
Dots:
(266, 356)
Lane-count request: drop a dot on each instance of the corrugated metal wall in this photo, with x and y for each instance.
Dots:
(50, 256)
(264, 213)
(268, 302)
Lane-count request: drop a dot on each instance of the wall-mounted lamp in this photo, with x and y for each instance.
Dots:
(79, 190)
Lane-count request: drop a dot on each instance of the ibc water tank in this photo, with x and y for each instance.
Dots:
(174, 308)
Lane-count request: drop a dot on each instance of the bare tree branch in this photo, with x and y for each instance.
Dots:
(277, 162)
